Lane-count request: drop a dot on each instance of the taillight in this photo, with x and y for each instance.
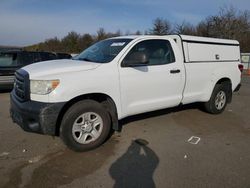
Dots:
(241, 67)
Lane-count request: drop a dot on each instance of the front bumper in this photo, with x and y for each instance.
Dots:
(33, 116)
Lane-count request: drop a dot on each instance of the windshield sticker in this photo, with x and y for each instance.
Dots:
(118, 44)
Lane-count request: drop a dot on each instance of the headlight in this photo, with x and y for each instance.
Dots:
(43, 87)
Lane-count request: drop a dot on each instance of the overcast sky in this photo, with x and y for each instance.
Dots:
(26, 22)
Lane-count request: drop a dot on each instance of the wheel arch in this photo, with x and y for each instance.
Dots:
(102, 98)
(224, 79)
(227, 81)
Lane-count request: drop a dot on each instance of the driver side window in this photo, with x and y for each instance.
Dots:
(158, 52)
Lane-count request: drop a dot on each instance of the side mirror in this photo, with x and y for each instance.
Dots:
(136, 59)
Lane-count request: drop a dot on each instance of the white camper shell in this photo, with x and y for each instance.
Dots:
(204, 49)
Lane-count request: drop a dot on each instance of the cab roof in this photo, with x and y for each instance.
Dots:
(183, 37)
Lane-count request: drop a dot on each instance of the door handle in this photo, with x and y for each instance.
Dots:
(174, 71)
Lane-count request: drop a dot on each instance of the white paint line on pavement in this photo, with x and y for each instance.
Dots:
(4, 154)
(35, 159)
(194, 140)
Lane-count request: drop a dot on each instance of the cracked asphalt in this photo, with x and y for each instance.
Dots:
(151, 151)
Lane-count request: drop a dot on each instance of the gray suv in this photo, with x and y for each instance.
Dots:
(10, 61)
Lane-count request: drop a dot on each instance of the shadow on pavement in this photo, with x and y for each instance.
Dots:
(159, 113)
(135, 168)
(60, 168)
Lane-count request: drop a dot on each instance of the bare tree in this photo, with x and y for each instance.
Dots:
(185, 28)
(138, 32)
(228, 23)
(101, 34)
(70, 42)
(84, 42)
(161, 27)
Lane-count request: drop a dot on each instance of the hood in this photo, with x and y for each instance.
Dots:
(58, 67)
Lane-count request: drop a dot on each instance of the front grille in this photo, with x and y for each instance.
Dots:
(21, 85)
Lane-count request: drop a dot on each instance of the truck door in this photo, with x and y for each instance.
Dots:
(156, 85)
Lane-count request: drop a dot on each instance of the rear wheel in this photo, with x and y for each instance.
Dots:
(85, 126)
(218, 100)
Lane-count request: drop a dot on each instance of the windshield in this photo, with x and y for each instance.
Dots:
(8, 59)
(103, 51)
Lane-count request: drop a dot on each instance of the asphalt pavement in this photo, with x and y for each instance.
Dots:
(174, 148)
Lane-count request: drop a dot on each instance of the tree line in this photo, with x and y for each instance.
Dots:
(228, 23)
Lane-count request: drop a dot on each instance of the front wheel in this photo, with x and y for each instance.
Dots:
(85, 126)
(218, 100)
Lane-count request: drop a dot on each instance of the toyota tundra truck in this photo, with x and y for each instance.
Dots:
(82, 99)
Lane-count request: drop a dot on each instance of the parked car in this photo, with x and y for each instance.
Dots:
(82, 99)
(10, 61)
(63, 56)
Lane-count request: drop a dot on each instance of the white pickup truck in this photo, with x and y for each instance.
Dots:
(82, 99)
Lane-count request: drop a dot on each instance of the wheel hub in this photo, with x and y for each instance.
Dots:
(220, 100)
(87, 127)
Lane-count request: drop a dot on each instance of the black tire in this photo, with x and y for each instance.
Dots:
(70, 117)
(211, 106)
